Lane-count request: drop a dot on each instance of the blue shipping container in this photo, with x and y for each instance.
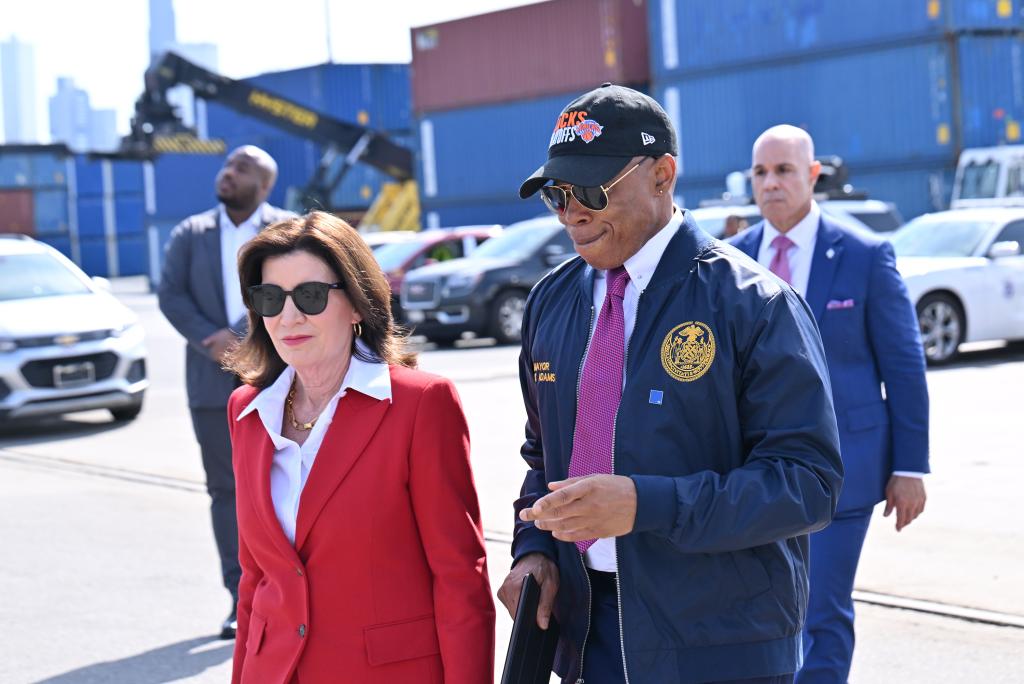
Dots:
(42, 169)
(185, 184)
(991, 89)
(482, 154)
(51, 211)
(452, 214)
(892, 105)
(691, 35)
(914, 191)
(132, 254)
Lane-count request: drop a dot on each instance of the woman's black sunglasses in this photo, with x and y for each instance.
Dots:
(595, 199)
(310, 298)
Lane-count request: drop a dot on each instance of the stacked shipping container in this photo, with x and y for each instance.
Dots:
(487, 90)
(895, 88)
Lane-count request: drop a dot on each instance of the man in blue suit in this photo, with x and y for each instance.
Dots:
(848, 277)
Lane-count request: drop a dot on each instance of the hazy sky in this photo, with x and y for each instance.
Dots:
(103, 44)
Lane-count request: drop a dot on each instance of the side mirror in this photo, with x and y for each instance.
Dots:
(1001, 250)
(104, 284)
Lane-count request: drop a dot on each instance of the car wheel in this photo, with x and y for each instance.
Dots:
(507, 316)
(942, 322)
(126, 413)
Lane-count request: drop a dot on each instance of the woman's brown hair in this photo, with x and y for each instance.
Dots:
(336, 243)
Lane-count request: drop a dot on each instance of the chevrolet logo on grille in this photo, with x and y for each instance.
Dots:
(66, 340)
(417, 289)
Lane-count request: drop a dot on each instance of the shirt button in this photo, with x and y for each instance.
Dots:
(302, 630)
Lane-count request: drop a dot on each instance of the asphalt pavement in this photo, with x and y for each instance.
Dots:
(109, 571)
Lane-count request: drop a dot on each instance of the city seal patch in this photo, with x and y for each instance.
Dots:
(688, 351)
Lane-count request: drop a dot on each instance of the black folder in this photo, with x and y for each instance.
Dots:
(531, 650)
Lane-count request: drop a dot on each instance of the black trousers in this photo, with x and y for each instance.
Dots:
(211, 428)
(602, 657)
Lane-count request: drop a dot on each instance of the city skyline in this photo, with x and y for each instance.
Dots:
(108, 60)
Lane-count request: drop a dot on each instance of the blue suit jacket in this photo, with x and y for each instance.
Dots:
(871, 337)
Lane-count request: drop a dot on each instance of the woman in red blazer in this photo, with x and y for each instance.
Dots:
(360, 540)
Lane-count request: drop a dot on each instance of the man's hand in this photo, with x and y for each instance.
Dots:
(591, 507)
(546, 574)
(906, 495)
(218, 344)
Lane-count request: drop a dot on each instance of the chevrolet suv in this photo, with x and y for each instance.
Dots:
(66, 344)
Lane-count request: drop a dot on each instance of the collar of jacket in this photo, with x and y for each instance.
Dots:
(689, 244)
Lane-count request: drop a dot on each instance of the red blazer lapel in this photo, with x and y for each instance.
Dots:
(356, 419)
(258, 442)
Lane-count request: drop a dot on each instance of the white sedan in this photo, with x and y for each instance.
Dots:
(964, 270)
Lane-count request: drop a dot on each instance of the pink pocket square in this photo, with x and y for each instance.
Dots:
(839, 304)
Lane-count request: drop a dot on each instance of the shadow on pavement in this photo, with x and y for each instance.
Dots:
(1013, 352)
(25, 432)
(165, 664)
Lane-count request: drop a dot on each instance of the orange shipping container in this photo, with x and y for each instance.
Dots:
(530, 51)
(16, 215)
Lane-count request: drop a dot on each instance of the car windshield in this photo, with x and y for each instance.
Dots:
(23, 276)
(878, 221)
(980, 181)
(516, 242)
(924, 237)
(391, 256)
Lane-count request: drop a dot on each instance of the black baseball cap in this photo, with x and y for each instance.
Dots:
(597, 132)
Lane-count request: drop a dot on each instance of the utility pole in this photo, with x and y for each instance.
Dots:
(327, 30)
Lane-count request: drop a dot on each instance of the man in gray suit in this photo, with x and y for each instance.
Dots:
(200, 295)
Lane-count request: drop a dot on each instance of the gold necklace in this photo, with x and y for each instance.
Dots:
(305, 427)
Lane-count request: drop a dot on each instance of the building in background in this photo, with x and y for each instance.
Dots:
(18, 79)
(162, 28)
(75, 123)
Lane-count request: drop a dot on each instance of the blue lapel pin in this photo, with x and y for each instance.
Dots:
(830, 253)
(656, 397)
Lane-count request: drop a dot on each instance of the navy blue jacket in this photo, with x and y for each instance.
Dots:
(871, 337)
(733, 468)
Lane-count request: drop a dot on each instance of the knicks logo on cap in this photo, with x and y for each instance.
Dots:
(588, 129)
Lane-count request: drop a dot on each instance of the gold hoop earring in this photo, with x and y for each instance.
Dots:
(357, 329)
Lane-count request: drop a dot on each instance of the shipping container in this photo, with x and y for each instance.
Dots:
(889, 105)
(16, 212)
(185, 184)
(373, 95)
(689, 36)
(50, 210)
(62, 243)
(482, 154)
(991, 72)
(132, 254)
(36, 166)
(529, 52)
(915, 191)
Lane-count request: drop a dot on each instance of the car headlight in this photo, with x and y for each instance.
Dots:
(7, 346)
(126, 329)
(463, 282)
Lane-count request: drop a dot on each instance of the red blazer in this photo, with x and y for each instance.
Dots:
(387, 580)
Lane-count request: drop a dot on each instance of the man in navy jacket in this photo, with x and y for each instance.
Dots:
(681, 438)
(871, 338)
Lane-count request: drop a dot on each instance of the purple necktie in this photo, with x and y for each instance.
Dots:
(600, 388)
(780, 262)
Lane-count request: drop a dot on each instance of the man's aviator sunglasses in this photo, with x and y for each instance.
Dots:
(310, 298)
(595, 198)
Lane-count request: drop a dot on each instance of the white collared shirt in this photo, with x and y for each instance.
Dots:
(804, 236)
(640, 267)
(293, 462)
(232, 238)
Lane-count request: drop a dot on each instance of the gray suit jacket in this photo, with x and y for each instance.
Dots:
(191, 294)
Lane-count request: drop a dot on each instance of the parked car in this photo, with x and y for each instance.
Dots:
(426, 248)
(964, 269)
(870, 214)
(485, 294)
(378, 239)
(66, 344)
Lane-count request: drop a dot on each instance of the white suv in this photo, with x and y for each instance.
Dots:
(66, 344)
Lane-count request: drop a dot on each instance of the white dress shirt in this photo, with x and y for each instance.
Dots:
(293, 462)
(640, 267)
(232, 238)
(804, 236)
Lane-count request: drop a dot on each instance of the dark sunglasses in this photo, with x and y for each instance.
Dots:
(310, 298)
(595, 199)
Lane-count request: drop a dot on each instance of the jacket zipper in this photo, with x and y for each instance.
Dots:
(615, 424)
(579, 383)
